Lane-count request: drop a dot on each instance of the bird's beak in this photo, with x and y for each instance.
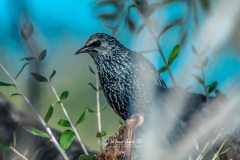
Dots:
(84, 49)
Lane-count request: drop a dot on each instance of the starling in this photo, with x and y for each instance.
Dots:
(130, 82)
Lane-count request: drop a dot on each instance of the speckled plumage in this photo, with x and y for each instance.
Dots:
(130, 82)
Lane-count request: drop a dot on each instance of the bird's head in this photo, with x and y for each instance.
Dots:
(101, 45)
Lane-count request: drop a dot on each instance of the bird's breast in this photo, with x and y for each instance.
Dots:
(130, 87)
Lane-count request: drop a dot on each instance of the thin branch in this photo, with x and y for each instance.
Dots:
(57, 97)
(15, 151)
(216, 154)
(201, 155)
(202, 72)
(204, 84)
(98, 112)
(160, 51)
(145, 21)
(36, 113)
(148, 51)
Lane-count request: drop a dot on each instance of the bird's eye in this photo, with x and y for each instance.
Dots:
(95, 44)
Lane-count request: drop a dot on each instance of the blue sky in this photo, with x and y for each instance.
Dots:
(55, 20)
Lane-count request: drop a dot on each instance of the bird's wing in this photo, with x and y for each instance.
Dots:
(149, 75)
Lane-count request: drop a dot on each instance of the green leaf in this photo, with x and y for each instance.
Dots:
(49, 114)
(93, 86)
(5, 147)
(66, 139)
(108, 16)
(205, 62)
(225, 150)
(140, 28)
(21, 70)
(58, 102)
(212, 87)
(16, 158)
(90, 110)
(173, 54)
(52, 75)
(6, 84)
(121, 123)
(15, 94)
(104, 107)
(64, 96)
(30, 30)
(82, 117)
(163, 69)
(91, 70)
(85, 157)
(25, 152)
(100, 88)
(36, 132)
(14, 140)
(104, 133)
(53, 104)
(39, 77)
(64, 123)
(92, 155)
(28, 58)
(199, 79)
(42, 55)
(99, 135)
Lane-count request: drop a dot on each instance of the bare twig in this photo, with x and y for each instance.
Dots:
(98, 112)
(202, 154)
(216, 154)
(15, 151)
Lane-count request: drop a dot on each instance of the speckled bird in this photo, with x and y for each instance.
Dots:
(130, 82)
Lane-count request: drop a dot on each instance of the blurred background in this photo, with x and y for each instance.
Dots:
(62, 27)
